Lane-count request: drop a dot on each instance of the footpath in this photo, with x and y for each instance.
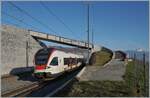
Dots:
(113, 72)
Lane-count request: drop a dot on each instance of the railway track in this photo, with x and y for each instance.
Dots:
(55, 85)
(43, 88)
(23, 90)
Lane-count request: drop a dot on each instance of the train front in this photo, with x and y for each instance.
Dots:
(40, 61)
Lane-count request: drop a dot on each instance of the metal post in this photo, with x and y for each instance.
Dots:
(88, 30)
(92, 26)
(92, 39)
(145, 90)
(136, 75)
(27, 48)
(134, 59)
(27, 55)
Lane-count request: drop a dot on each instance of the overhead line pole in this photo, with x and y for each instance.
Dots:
(92, 38)
(92, 27)
(88, 30)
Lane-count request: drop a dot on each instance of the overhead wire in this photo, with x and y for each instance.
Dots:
(35, 19)
(59, 19)
(19, 20)
(25, 12)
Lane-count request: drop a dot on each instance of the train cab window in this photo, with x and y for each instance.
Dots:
(54, 61)
(41, 57)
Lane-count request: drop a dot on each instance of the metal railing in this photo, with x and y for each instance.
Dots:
(141, 72)
(60, 39)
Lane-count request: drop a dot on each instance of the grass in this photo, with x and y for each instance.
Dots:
(98, 89)
(102, 57)
(124, 88)
(129, 78)
(138, 79)
(134, 78)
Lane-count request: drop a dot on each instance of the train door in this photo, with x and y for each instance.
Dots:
(60, 66)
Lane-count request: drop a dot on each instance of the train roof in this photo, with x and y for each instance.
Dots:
(66, 50)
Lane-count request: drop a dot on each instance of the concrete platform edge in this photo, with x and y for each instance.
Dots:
(110, 60)
(80, 73)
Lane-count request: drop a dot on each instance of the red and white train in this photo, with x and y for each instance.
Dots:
(51, 62)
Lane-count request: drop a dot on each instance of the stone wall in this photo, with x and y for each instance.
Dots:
(17, 49)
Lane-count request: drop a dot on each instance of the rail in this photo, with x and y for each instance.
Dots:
(65, 84)
(23, 90)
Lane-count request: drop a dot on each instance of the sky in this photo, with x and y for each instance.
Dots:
(115, 25)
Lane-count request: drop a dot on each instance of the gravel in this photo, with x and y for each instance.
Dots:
(11, 83)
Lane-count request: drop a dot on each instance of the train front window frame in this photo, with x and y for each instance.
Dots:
(42, 56)
(54, 61)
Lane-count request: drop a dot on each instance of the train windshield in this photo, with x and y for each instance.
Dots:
(41, 57)
(54, 61)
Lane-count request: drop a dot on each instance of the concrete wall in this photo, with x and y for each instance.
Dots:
(14, 51)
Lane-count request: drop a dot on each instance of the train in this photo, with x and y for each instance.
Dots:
(51, 62)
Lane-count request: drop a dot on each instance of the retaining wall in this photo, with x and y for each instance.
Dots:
(17, 49)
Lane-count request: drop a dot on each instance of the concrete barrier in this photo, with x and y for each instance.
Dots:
(80, 73)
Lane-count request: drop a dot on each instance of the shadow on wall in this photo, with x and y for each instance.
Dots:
(24, 73)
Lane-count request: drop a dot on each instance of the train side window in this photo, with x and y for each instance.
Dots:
(54, 61)
(66, 61)
(79, 59)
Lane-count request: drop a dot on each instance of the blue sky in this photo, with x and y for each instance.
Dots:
(116, 25)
